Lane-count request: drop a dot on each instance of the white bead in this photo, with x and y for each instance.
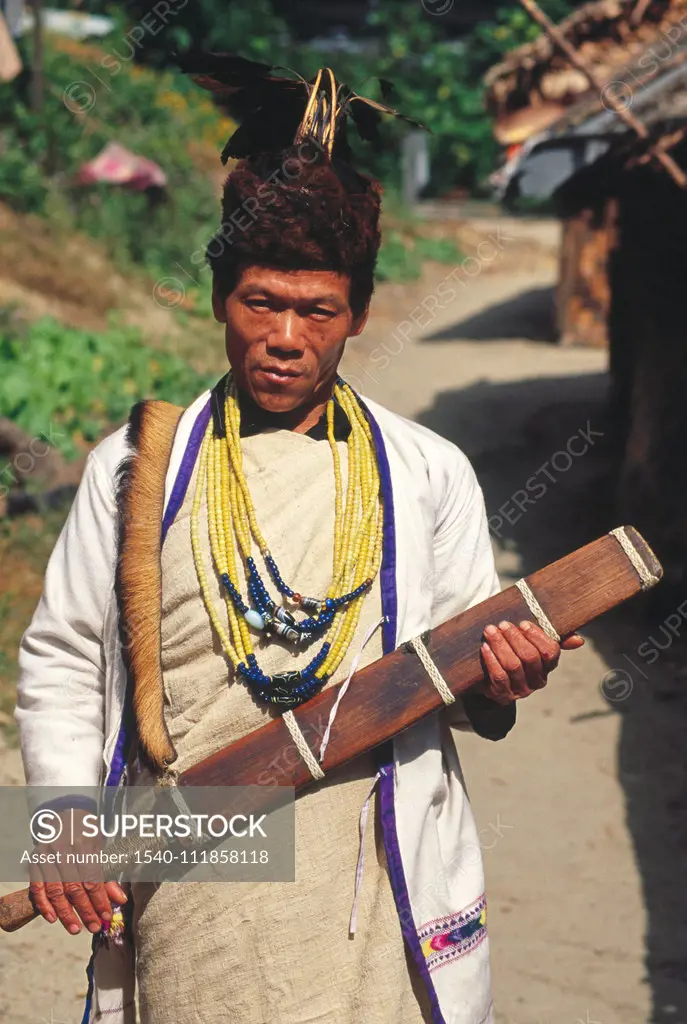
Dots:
(254, 619)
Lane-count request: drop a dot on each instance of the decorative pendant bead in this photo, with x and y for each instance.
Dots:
(286, 680)
(310, 604)
(287, 632)
(254, 619)
(296, 598)
(285, 617)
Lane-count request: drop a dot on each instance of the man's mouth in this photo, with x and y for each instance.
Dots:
(279, 374)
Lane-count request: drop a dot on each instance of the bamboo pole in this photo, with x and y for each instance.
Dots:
(630, 119)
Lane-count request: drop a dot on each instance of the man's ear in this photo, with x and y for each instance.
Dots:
(218, 309)
(358, 325)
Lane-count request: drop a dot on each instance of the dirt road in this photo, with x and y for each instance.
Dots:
(578, 805)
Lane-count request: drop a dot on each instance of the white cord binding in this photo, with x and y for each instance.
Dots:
(646, 577)
(432, 671)
(537, 611)
(289, 720)
(344, 687)
(353, 921)
(295, 730)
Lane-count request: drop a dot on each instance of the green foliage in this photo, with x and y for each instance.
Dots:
(263, 35)
(95, 96)
(79, 383)
(402, 256)
(438, 82)
(513, 27)
(21, 180)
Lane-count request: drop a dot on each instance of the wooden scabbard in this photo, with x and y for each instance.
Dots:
(395, 692)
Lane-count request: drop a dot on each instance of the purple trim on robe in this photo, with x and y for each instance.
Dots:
(176, 500)
(183, 479)
(400, 889)
(387, 576)
(90, 970)
(386, 783)
(119, 756)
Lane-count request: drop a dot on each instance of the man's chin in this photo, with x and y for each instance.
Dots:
(280, 399)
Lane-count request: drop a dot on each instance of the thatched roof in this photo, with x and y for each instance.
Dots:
(621, 41)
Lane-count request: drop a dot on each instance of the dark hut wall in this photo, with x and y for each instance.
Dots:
(647, 329)
(648, 335)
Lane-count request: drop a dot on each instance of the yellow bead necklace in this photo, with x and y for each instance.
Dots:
(357, 555)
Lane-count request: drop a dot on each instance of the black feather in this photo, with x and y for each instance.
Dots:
(270, 107)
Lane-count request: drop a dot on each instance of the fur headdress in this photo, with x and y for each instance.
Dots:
(294, 200)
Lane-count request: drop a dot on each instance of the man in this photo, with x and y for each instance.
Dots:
(279, 493)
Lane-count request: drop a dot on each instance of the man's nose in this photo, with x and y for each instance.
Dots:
(287, 334)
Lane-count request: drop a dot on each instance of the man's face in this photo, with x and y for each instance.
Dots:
(285, 333)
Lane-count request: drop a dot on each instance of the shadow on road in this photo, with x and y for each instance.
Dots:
(528, 315)
(515, 434)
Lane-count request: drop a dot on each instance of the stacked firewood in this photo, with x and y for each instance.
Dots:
(610, 37)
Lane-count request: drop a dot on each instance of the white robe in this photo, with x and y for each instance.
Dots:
(440, 562)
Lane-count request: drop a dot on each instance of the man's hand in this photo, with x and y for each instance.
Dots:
(75, 896)
(517, 660)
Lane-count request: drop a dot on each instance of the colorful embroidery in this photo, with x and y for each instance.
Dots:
(448, 938)
(114, 930)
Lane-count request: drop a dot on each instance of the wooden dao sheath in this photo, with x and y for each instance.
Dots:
(395, 692)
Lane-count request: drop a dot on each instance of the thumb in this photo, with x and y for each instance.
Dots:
(572, 643)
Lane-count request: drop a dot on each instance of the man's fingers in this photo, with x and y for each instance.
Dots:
(499, 684)
(48, 874)
(549, 650)
(115, 893)
(62, 907)
(97, 893)
(508, 660)
(41, 902)
(528, 654)
(79, 895)
(572, 643)
(88, 900)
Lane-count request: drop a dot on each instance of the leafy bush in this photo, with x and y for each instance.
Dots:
(437, 79)
(93, 97)
(82, 382)
(402, 255)
(95, 94)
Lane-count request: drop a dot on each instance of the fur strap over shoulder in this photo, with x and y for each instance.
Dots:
(140, 499)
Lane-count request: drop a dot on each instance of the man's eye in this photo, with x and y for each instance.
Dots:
(258, 303)
(322, 313)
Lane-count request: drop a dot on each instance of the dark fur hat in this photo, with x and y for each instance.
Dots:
(294, 200)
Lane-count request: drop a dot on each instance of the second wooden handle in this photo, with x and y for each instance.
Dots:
(16, 910)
